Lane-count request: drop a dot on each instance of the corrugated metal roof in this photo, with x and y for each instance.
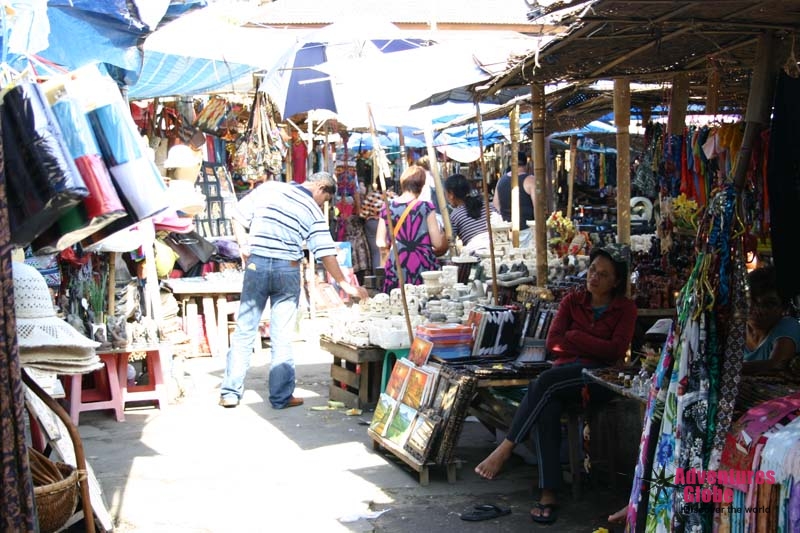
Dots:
(316, 12)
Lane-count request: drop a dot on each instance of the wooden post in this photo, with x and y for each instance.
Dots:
(485, 188)
(440, 197)
(647, 114)
(759, 101)
(514, 124)
(402, 139)
(111, 306)
(678, 104)
(573, 162)
(539, 198)
(622, 120)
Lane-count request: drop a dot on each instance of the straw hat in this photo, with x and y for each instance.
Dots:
(180, 156)
(37, 323)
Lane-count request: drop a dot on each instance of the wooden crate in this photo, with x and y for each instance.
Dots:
(355, 373)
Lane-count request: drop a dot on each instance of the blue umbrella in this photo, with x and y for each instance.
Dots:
(363, 141)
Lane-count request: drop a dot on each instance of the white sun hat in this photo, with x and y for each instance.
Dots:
(37, 323)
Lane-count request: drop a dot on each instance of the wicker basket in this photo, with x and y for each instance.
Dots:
(55, 502)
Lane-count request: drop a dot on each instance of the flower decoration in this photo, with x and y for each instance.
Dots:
(684, 212)
(562, 229)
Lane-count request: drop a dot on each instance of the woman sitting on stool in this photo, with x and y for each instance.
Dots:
(592, 329)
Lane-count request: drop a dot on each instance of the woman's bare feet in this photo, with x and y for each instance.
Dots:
(619, 517)
(489, 467)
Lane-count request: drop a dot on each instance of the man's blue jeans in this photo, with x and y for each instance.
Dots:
(278, 281)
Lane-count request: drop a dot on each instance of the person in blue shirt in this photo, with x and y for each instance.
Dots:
(772, 337)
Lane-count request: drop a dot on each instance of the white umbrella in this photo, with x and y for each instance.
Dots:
(295, 84)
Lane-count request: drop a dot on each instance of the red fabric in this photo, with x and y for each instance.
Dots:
(687, 180)
(574, 333)
(299, 156)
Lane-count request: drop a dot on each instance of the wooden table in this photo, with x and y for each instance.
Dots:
(214, 296)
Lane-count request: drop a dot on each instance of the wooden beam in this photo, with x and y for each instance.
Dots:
(553, 47)
(695, 23)
(540, 195)
(731, 47)
(638, 50)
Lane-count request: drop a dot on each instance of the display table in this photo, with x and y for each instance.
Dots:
(214, 296)
(355, 373)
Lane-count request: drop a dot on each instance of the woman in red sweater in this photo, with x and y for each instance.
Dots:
(592, 328)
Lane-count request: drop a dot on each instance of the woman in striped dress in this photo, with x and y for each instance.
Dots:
(468, 217)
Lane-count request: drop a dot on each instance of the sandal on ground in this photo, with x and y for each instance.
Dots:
(485, 512)
(552, 513)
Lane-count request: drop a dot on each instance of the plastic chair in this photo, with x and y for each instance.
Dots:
(389, 359)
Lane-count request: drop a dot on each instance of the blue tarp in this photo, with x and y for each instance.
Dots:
(194, 76)
(82, 32)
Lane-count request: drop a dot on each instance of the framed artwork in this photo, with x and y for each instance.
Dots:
(397, 381)
(414, 393)
(421, 436)
(420, 351)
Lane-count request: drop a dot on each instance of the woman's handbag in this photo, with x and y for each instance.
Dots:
(191, 248)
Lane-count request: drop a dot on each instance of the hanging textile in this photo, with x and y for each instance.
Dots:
(16, 497)
(684, 438)
(640, 488)
(43, 182)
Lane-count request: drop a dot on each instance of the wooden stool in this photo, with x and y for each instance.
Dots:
(355, 373)
(576, 418)
(105, 395)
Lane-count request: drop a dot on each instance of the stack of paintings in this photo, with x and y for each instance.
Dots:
(406, 414)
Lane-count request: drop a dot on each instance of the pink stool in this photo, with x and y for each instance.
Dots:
(105, 395)
(155, 390)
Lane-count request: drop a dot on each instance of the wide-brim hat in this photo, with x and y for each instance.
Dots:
(181, 156)
(37, 322)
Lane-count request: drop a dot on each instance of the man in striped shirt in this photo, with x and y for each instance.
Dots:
(271, 224)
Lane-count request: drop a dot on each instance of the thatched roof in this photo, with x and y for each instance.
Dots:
(651, 41)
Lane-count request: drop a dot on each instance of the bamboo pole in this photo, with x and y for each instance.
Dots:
(759, 101)
(539, 200)
(622, 120)
(514, 124)
(573, 162)
(678, 104)
(440, 197)
(401, 281)
(486, 202)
